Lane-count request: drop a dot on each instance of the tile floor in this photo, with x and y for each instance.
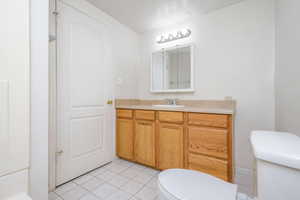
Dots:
(118, 180)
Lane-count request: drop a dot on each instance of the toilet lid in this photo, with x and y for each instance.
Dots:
(193, 185)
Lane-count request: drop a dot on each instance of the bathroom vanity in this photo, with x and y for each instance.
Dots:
(197, 135)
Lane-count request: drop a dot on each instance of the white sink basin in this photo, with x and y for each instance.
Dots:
(169, 106)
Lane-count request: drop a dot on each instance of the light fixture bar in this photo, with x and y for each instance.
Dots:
(180, 34)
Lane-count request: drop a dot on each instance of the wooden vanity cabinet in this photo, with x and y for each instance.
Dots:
(169, 139)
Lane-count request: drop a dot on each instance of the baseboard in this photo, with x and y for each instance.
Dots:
(244, 178)
(22, 196)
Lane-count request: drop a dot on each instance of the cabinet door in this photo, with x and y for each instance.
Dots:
(170, 146)
(125, 138)
(144, 146)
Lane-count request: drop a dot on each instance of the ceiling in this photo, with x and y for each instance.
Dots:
(145, 15)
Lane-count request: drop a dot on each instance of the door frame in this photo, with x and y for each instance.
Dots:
(107, 21)
(52, 94)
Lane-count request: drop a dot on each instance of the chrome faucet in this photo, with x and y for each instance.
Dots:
(172, 101)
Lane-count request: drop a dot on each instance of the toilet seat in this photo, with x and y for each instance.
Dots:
(181, 184)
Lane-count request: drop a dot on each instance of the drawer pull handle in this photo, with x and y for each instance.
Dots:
(143, 123)
(170, 127)
(208, 148)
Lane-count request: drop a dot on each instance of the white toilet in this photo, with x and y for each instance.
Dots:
(278, 173)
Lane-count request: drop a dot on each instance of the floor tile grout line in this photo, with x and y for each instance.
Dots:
(143, 184)
(58, 195)
(78, 185)
(91, 193)
(65, 191)
(127, 177)
(114, 187)
(108, 168)
(107, 181)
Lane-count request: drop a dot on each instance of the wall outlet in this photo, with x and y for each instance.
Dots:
(119, 81)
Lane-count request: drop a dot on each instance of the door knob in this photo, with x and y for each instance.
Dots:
(110, 102)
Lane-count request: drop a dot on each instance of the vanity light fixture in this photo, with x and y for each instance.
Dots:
(184, 33)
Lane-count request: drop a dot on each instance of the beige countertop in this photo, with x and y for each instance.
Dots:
(213, 107)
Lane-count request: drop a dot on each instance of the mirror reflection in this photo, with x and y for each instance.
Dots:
(172, 69)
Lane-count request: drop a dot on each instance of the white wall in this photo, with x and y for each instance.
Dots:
(124, 47)
(234, 56)
(288, 66)
(39, 100)
(14, 96)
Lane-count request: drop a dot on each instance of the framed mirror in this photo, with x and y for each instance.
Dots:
(172, 70)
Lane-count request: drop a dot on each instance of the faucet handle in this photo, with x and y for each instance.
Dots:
(169, 101)
(175, 101)
(172, 101)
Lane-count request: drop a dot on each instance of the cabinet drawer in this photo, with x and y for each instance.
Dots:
(145, 114)
(209, 165)
(209, 141)
(124, 113)
(208, 120)
(176, 117)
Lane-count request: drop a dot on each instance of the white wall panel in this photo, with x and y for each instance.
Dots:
(287, 66)
(39, 99)
(14, 96)
(4, 126)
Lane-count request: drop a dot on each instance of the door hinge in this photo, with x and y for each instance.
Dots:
(55, 13)
(58, 153)
(52, 38)
(109, 102)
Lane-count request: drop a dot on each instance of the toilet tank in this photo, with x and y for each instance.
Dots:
(278, 165)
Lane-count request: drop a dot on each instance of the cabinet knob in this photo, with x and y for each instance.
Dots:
(109, 102)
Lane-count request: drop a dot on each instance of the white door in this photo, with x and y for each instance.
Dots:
(84, 78)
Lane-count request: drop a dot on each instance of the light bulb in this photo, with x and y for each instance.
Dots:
(184, 31)
(179, 34)
(174, 35)
(158, 38)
